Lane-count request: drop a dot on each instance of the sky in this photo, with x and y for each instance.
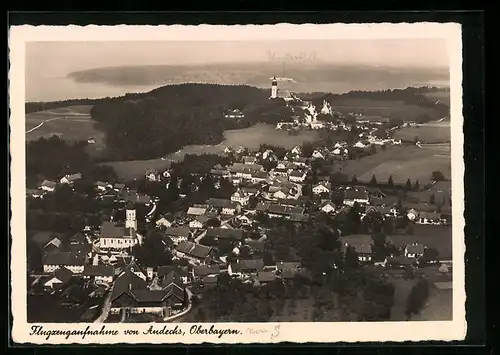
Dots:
(61, 58)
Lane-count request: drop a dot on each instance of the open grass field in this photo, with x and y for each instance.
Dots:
(369, 107)
(442, 96)
(432, 132)
(71, 123)
(135, 169)
(402, 163)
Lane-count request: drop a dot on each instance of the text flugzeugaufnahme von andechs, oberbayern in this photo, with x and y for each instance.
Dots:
(193, 330)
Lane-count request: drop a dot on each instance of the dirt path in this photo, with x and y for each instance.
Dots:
(41, 124)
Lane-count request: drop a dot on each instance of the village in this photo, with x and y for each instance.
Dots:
(227, 236)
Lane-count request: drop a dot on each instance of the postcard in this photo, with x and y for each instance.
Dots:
(237, 184)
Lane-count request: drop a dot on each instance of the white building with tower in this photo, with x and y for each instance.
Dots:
(274, 88)
(117, 236)
(130, 217)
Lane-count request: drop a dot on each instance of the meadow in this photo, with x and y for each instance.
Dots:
(432, 132)
(372, 107)
(71, 123)
(400, 162)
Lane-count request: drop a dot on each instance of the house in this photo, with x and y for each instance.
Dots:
(70, 179)
(48, 186)
(71, 261)
(54, 245)
(101, 274)
(178, 234)
(131, 293)
(258, 176)
(240, 196)
(197, 210)
(165, 221)
(429, 218)
(182, 273)
(414, 250)
(91, 140)
(384, 211)
(321, 188)
(287, 270)
(245, 267)
(195, 253)
(103, 186)
(236, 113)
(362, 247)
(265, 277)
(205, 270)
(280, 211)
(319, 154)
(117, 237)
(327, 206)
(297, 150)
(249, 160)
(353, 196)
(199, 222)
(227, 207)
(245, 220)
(79, 244)
(210, 281)
(135, 269)
(118, 187)
(285, 193)
(298, 176)
(61, 277)
(153, 175)
(245, 171)
(35, 193)
(223, 233)
(166, 174)
(359, 144)
(412, 214)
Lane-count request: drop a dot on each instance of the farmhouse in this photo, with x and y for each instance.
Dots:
(72, 261)
(245, 267)
(61, 277)
(414, 250)
(132, 294)
(178, 234)
(429, 218)
(297, 176)
(53, 245)
(99, 273)
(280, 211)
(118, 187)
(361, 244)
(205, 270)
(352, 196)
(166, 273)
(153, 175)
(399, 262)
(165, 221)
(327, 206)
(226, 207)
(199, 222)
(48, 186)
(321, 188)
(197, 210)
(241, 197)
(287, 270)
(265, 277)
(224, 233)
(245, 171)
(195, 253)
(249, 160)
(236, 113)
(70, 179)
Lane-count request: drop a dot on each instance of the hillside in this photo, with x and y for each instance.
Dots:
(162, 121)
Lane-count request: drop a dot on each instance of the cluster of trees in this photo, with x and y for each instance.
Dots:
(390, 183)
(417, 297)
(171, 117)
(53, 158)
(154, 250)
(31, 107)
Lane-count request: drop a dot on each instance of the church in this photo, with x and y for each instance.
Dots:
(119, 236)
(278, 93)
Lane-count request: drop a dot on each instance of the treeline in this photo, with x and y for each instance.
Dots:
(31, 107)
(142, 126)
(53, 158)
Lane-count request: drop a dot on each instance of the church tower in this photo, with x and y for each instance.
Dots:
(274, 88)
(131, 219)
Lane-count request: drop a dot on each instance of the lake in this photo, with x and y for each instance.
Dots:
(251, 137)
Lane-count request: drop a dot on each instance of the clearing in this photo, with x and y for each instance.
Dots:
(439, 237)
(72, 123)
(432, 132)
(402, 163)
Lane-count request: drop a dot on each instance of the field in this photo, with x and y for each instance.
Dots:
(443, 96)
(400, 162)
(432, 132)
(439, 237)
(251, 138)
(70, 123)
(369, 107)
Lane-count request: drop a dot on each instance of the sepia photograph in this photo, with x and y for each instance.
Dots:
(246, 184)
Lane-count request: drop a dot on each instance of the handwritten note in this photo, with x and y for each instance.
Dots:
(300, 57)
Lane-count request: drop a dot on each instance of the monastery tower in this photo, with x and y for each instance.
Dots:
(274, 88)
(131, 218)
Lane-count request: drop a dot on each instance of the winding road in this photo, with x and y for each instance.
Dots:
(41, 124)
(184, 312)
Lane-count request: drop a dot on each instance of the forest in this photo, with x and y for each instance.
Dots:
(144, 126)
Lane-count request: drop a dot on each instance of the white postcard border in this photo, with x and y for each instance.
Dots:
(249, 332)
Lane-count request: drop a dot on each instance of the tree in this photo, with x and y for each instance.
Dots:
(408, 184)
(152, 252)
(430, 255)
(432, 199)
(417, 297)
(416, 186)
(437, 176)
(373, 181)
(354, 179)
(351, 257)
(307, 190)
(378, 297)
(390, 182)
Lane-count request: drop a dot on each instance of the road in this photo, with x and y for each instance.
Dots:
(41, 124)
(105, 307)
(184, 312)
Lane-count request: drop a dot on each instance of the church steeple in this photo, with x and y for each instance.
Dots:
(274, 88)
